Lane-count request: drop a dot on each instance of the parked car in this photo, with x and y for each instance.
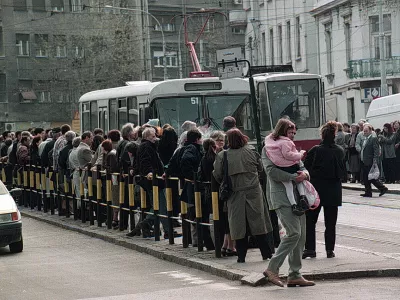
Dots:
(10, 220)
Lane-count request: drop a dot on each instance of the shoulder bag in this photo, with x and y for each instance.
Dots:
(225, 189)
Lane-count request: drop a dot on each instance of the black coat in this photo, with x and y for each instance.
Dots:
(190, 160)
(125, 160)
(45, 154)
(148, 160)
(325, 163)
(64, 155)
(35, 157)
(174, 168)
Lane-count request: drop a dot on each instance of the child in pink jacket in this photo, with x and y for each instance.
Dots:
(281, 150)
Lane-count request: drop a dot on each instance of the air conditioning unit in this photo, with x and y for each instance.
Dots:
(9, 126)
(237, 1)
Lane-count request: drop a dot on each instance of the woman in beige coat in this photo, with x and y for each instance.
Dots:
(247, 208)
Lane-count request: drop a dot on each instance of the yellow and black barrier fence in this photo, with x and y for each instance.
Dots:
(92, 194)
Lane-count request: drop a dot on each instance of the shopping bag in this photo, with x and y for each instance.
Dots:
(311, 195)
(374, 172)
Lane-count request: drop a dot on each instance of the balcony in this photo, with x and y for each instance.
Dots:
(237, 18)
(371, 68)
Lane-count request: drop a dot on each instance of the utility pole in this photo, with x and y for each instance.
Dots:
(382, 52)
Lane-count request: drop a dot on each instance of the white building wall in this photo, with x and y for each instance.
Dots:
(338, 86)
(264, 16)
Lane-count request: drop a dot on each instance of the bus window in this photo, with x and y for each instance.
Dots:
(122, 112)
(265, 118)
(113, 114)
(85, 117)
(237, 106)
(144, 113)
(297, 99)
(93, 115)
(133, 110)
(175, 111)
(103, 118)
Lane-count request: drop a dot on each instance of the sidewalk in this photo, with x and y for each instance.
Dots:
(349, 262)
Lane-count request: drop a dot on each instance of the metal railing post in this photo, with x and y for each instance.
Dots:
(156, 207)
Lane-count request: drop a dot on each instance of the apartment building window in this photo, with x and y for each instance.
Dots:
(39, 5)
(57, 5)
(60, 46)
(20, 5)
(171, 59)
(328, 42)
(264, 48)
(374, 36)
(238, 30)
(288, 42)
(22, 44)
(41, 45)
(165, 27)
(3, 89)
(280, 56)
(75, 5)
(27, 95)
(271, 46)
(347, 36)
(44, 96)
(77, 49)
(298, 41)
(1, 42)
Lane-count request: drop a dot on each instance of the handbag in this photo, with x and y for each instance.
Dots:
(374, 172)
(225, 189)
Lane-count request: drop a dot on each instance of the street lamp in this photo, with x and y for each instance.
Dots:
(159, 25)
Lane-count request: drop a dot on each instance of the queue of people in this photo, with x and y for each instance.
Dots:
(247, 211)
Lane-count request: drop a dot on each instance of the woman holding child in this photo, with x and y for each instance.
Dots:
(284, 170)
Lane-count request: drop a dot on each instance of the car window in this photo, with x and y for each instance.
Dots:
(3, 189)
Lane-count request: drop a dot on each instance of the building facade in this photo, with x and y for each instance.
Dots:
(53, 51)
(349, 54)
(281, 32)
(224, 29)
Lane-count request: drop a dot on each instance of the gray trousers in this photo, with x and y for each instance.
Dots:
(292, 244)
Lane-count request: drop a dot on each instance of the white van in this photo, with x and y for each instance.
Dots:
(384, 110)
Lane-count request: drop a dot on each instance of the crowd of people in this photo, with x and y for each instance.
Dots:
(249, 214)
(365, 146)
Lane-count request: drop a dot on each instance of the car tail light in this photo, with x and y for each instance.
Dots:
(15, 216)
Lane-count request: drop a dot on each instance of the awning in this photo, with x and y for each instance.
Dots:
(29, 95)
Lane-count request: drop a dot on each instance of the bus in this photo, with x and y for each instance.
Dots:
(207, 101)
(112, 108)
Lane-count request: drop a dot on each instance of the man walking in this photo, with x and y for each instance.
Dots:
(369, 157)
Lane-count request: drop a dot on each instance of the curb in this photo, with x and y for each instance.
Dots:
(248, 278)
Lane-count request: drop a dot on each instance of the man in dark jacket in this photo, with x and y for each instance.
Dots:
(192, 154)
(369, 156)
(44, 157)
(189, 165)
(149, 164)
(127, 132)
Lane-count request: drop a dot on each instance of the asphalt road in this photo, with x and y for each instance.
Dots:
(60, 264)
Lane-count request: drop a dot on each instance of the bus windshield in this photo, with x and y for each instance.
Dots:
(296, 99)
(237, 106)
(175, 111)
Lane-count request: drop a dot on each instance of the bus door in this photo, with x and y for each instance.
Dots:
(103, 118)
(144, 113)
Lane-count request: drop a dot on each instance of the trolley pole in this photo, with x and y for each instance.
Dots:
(382, 52)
